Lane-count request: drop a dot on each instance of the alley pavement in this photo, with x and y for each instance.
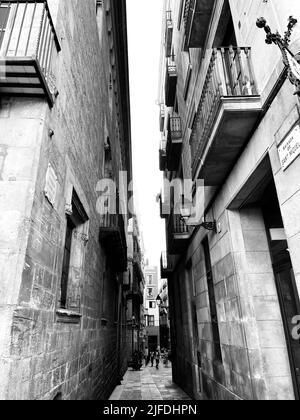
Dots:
(149, 384)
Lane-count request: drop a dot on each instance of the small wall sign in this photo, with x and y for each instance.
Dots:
(51, 185)
(289, 149)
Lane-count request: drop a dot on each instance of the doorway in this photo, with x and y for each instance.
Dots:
(284, 276)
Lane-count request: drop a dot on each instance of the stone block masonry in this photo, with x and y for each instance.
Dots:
(43, 353)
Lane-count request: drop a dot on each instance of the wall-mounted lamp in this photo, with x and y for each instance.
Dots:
(186, 215)
(291, 62)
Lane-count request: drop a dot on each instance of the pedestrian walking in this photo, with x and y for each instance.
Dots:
(146, 356)
(165, 358)
(152, 358)
(157, 358)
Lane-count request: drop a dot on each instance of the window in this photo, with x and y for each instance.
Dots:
(152, 305)
(74, 250)
(150, 279)
(4, 15)
(212, 302)
(66, 263)
(150, 292)
(151, 321)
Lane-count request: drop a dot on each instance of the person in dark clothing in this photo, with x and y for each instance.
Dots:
(152, 358)
(147, 356)
(157, 358)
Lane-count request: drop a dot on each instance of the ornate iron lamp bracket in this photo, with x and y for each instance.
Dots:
(283, 43)
(212, 226)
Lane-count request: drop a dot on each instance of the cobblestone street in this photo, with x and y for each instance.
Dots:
(148, 384)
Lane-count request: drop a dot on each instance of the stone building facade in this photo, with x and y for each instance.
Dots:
(164, 324)
(151, 307)
(64, 126)
(229, 116)
(136, 286)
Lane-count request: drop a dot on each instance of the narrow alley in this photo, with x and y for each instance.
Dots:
(148, 384)
(149, 200)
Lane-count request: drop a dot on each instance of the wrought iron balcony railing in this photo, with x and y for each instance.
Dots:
(178, 234)
(171, 82)
(112, 235)
(163, 154)
(28, 46)
(174, 143)
(169, 33)
(229, 81)
(162, 115)
(167, 265)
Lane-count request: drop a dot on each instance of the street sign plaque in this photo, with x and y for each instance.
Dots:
(289, 149)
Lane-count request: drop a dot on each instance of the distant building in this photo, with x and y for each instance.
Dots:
(229, 117)
(151, 307)
(136, 288)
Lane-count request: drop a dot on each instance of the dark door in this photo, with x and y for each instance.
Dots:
(289, 303)
(284, 275)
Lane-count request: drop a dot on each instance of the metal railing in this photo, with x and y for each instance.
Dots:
(163, 145)
(174, 129)
(27, 30)
(177, 225)
(169, 19)
(230, 74)
(162, 115)
(110, 217)
(171, 66)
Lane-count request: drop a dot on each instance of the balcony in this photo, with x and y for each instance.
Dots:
(171, 82)
(228, 112)
(178, 235)
(163, 155)
(136, 292)
(162, 115)
(113, 238)
(174, 143)
(167, 265)
(197, 16)
(169, 33)
(28, 48)
(164, 208)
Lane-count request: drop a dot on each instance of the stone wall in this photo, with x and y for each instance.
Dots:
(255, 363)
(42, 355)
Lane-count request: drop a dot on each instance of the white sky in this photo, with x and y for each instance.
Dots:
(144, 37)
